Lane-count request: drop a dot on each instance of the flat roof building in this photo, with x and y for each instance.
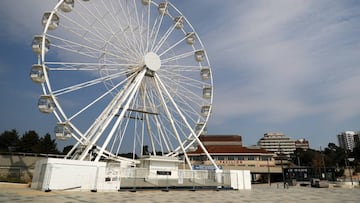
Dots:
(302, 144)
(348, 139)
(277, 143)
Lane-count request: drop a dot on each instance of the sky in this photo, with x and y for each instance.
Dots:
(278, 66)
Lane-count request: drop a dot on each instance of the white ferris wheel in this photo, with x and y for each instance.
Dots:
(123, 74)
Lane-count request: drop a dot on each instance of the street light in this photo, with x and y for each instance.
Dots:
(349, 167)
(268, 167)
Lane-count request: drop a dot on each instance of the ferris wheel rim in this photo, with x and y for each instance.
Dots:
(60, 114)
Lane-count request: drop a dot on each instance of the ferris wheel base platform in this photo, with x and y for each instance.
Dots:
(52, 174)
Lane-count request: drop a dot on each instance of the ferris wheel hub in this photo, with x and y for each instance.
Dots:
(152, 61)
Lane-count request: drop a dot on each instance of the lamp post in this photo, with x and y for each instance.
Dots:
(268, 167)
(349, 167)
(282, 169)
(281, 163)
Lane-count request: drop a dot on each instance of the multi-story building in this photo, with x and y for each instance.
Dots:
(348, 139)
(277, 143)
(302, 144)
(228, 152)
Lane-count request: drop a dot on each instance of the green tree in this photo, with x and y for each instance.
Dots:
(47, 145)
(67, 149)
(304, 157)
(9, 141)
(334, 155)
(29, 142)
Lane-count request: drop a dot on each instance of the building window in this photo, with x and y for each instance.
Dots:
(231, 157)
(265, 158)
(241, 158)
(251, 158)
(195, 158)
(220, 158)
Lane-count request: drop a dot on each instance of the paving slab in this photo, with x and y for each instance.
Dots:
(260, 193)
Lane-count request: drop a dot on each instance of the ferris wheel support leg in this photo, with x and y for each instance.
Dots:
(137, 83)
(188, 125)
(158, 83)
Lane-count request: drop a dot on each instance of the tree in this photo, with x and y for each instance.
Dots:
(47, 145)
(304, 157)
(334, 155)
(9, 141)
(67, 149)
(29, 142)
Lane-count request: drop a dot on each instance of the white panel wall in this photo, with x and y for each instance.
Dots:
(62, 174)
(238, 179)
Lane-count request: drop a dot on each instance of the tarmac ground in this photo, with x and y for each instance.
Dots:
(258, 193)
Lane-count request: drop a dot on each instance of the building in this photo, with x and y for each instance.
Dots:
(277, 143)
(302, 144)
(228, 153)
(348, 139)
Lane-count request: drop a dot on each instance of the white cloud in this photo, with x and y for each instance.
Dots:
(285, 55)
(18, 17)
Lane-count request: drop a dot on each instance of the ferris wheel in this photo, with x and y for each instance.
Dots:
(123, 74)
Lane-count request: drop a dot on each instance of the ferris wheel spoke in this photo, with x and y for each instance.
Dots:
(178, 57)
(83, 31)
(98, 38)
(156, 30)
(164, 38)
(97, 99)
(148, 13)
(106, 27)
(83, 49)
(133, 38)
(69, 66)
(128, 49)
(171, 47)
(181, 78)
(181, 68)
(140, 23)
(87, 83)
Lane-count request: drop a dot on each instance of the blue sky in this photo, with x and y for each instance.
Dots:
(278, 66)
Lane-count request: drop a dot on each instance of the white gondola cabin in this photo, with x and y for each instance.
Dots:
(207, 92)
(62, 131)
(46, 104)
(190, 38)
(145, 2)
(205, 110)
(199, 55)
(37, 73)
(178, 22)
(199, 127)
(205, 73)
(54, 21)
(163, 8)
(67, 6)
(37, 44)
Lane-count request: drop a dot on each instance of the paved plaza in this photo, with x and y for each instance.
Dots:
(259, 193)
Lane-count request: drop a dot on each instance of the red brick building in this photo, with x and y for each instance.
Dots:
(229, 153)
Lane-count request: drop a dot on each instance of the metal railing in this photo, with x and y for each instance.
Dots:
(140, 178)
